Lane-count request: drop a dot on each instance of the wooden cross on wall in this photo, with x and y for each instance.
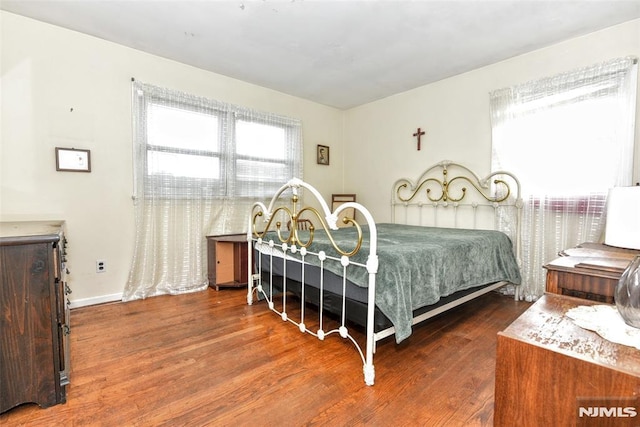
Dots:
(419, 133)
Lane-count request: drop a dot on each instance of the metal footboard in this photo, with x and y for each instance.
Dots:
(266, 235)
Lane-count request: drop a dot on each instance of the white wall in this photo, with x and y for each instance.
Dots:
(46, 72)
(379, 147)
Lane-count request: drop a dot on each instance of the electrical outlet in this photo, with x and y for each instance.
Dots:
(101, 266)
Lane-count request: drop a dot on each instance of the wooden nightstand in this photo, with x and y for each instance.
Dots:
(547, 368)
(590, 270)
(227, 261)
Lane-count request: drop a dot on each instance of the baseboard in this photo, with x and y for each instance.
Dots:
(95, 300)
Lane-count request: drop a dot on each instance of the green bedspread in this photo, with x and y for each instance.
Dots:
(419, 265)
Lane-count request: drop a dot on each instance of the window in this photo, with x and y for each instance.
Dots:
(203, 148)
(571, 126)
(262, 152)
(568, 138)
(182, 143)
(199, 165)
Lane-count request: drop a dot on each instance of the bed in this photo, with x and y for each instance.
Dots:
(452, 237)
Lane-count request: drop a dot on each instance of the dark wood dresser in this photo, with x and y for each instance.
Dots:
(34, 314)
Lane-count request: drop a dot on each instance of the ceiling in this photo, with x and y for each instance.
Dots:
(338, 53)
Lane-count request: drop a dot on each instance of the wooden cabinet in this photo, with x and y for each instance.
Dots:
(227, 261)
(548, 369)
(34, 314)
(590, 270)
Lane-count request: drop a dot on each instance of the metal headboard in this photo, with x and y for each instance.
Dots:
(451, 194)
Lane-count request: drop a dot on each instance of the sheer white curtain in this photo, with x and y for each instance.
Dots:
(568, 138)
(199, 164)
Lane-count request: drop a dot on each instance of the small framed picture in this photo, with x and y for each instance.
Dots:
(323, 155)
(73, 160)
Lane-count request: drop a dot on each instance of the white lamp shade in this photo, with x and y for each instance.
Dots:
(623, 217)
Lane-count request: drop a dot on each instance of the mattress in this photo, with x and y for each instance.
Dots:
(418, 266)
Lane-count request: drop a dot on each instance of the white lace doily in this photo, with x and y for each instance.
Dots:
(606, 322)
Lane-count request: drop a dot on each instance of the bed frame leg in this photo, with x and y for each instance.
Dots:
(369, 374)
(251, 286)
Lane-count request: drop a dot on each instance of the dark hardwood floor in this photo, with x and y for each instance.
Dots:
(207, 358)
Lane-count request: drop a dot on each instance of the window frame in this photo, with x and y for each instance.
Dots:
(275, 184)
(170, 183)
(227, 184)
(542, 96)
